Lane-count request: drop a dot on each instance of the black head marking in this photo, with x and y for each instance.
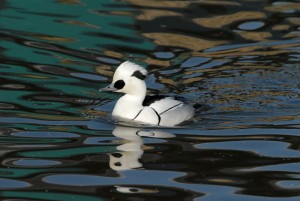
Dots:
(138, 75)
(119, 84)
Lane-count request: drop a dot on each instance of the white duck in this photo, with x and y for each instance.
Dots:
(160, 110)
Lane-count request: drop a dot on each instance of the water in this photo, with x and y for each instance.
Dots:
(238, 61)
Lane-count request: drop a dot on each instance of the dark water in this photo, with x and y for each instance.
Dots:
(238, 61)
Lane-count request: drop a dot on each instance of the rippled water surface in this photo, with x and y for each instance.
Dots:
(237, 61)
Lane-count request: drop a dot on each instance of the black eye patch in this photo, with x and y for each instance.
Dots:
(119, 84)
(138, 75)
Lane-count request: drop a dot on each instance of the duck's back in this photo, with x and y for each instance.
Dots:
(170, 110)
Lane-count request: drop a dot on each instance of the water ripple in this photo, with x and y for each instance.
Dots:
(12, 184)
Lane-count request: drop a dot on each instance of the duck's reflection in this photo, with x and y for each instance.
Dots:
(131, 149)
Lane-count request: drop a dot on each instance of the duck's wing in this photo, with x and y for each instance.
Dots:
(161, 103)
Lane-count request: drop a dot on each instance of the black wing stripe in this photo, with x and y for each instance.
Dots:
(138, 114)
(170, 108)
(157, 116)
(151, 99)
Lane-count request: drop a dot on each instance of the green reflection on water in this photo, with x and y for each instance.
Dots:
(35, 17)
(83, 27)
(48, 196)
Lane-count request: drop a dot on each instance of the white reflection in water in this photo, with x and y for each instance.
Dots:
(131, 149)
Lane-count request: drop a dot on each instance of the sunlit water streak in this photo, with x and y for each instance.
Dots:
(236, 61)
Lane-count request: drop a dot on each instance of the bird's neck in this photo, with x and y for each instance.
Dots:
(137, 94)
(133, 99)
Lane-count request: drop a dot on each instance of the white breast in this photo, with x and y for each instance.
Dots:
(127, 107)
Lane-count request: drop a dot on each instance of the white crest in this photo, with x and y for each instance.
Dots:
(127, 68)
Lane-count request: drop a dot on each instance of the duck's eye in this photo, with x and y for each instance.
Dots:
(119, 84)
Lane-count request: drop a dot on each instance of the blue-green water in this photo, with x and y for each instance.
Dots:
(237, 61)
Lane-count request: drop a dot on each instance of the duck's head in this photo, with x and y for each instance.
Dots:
(128, 78)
